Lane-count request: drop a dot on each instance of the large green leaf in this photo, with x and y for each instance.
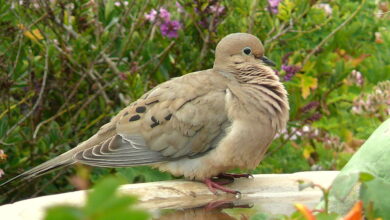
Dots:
(368, 173)
(377, 194)
(103, 203)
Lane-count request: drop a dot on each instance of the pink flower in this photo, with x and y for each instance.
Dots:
(170, 29)
(273, 6)
(218, 9)
(164, 14)
(118, 4)
(274, 3)
(151, 16)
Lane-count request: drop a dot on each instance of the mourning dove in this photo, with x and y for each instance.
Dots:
(199, 125)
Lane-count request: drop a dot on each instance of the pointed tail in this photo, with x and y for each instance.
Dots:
(67, 158)
(53, 164)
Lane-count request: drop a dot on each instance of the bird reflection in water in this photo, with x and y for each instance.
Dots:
(213, 211)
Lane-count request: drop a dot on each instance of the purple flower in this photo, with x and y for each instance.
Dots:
(151, 16)
(164, 14)
(170, 29)
(209, 13)
(273, 6)
(315, 117)
(310, 106)
(288, 76)
(290, 71)
(204, 23)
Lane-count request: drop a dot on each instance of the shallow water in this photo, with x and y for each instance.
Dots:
(273, 194)
(242, 208)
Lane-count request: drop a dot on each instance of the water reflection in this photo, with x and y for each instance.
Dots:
(218, 210)
(199, 213)
(239, 209)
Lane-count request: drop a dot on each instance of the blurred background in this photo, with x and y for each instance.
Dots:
(67, 66)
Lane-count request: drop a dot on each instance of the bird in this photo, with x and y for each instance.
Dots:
(199, 125)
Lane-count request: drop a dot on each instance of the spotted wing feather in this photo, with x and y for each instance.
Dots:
(180, 118)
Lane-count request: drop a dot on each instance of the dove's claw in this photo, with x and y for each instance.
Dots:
(237, 194)
(213, 186)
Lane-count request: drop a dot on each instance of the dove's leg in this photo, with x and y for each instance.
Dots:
(213, 186)
(222, 179)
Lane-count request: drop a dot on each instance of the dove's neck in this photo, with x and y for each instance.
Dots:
(260, 84)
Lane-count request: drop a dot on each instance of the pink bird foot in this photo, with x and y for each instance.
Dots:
(215, 183)
(214, 186)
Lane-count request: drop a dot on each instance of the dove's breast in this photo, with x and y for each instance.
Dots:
(256, 107)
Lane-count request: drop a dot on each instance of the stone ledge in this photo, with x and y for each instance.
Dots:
(275, 193)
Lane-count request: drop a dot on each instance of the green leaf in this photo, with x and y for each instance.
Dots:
(260, 216)
(121, 202)
(125, 214)
(108, 9)
(3, 126)
(307, 83)
(102, 192)
(377, 193)
(102, 204)
(365, 177)
(316, 15)
(370, 161)
(327, 216)
(343, 184)
(63, 213)
(284, 10)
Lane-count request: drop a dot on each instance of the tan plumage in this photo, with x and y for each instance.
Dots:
(198, 125)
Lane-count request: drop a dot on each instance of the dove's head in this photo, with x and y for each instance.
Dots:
(240, 49)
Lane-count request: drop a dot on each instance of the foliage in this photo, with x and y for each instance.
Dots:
(361, 188)
(102, 203)
(367, 170)
(67, 66)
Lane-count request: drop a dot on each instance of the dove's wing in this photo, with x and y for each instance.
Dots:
(183, 117)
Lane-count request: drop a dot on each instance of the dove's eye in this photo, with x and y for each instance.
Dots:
(247, 50)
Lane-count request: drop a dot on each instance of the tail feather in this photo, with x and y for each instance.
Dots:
(67, 158)
(53, 164)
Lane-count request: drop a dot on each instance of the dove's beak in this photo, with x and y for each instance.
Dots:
(267, 61)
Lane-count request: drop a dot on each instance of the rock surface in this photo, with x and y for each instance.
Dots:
(272, 193)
